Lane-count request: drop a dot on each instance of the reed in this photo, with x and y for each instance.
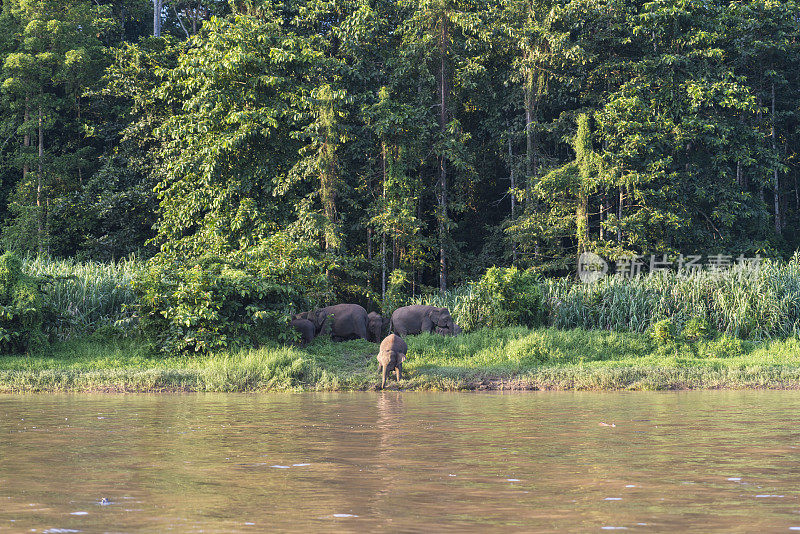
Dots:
(87, 295)
(743, 302)
(747, 303)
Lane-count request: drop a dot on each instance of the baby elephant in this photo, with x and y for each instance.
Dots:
(390, 356)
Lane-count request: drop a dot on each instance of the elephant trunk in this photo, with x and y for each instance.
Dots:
(384, 371)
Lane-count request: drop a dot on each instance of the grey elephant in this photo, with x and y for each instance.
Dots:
(391, 355)
(343, 321)
(377, 325)
(420, 318)
(456, 330)
(305, 327)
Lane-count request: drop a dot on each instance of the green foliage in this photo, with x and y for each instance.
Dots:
(87, 296)
(212, 302)
(22, 310)
(741, 302)
(502, 297)
(395, 291)
(509, 297)
(664, 332)
(240, 100)
(697, 328)
(426, 139)
(56, 54)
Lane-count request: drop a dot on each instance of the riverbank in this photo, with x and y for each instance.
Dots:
(501, 359)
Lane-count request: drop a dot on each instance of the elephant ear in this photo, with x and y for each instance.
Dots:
(401, 357)
(435, 315)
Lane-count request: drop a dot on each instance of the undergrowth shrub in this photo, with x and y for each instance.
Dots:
(22, 311)
(663, 332)
(697, 329)
(502, 297)
(213, 302)
(509, 297)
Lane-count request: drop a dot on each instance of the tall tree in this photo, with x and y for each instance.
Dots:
(58, 55)
(238, 98)
(439, 33)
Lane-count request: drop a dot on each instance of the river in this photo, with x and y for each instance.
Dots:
(725, 461)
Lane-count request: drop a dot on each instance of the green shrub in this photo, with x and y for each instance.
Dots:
(213, 303)
(502, 297)
(395, 291)
(663, 332)
(509, 297)
(697, 329)
(21, 307)
(725, 347)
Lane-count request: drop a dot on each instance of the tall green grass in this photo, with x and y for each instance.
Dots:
(87, 295)
(463, 303)
(748, 303)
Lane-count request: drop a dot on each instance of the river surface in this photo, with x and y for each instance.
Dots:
(714, 461)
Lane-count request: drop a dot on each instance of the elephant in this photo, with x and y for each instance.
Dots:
(376, 326)
(305, 327)
(391, 355)
(421, 318)
(456, 330)
(343, 321)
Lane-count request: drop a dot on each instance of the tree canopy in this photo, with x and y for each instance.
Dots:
(426, 138)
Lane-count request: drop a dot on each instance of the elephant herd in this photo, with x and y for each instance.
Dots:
(351, 321)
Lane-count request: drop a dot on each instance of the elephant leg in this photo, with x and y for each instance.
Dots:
(397, 371)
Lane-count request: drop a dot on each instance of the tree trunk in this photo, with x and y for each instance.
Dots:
(513, 197)
(39, 174)
(157, 7)
(604, 214)
(739, 174)
(582, 220)
(26, 140)
(383, 225)
(442, 162)
(531, 164)
(619, 214)
(775, 183)
(528, 137)
(395, 250)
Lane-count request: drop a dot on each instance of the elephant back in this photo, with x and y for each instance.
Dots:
(348, 321)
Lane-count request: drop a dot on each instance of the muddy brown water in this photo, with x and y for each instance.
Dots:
(724, 461)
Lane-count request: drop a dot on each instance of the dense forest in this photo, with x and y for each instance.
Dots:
(371, 144)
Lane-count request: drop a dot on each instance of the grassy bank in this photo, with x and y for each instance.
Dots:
(508, 358)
